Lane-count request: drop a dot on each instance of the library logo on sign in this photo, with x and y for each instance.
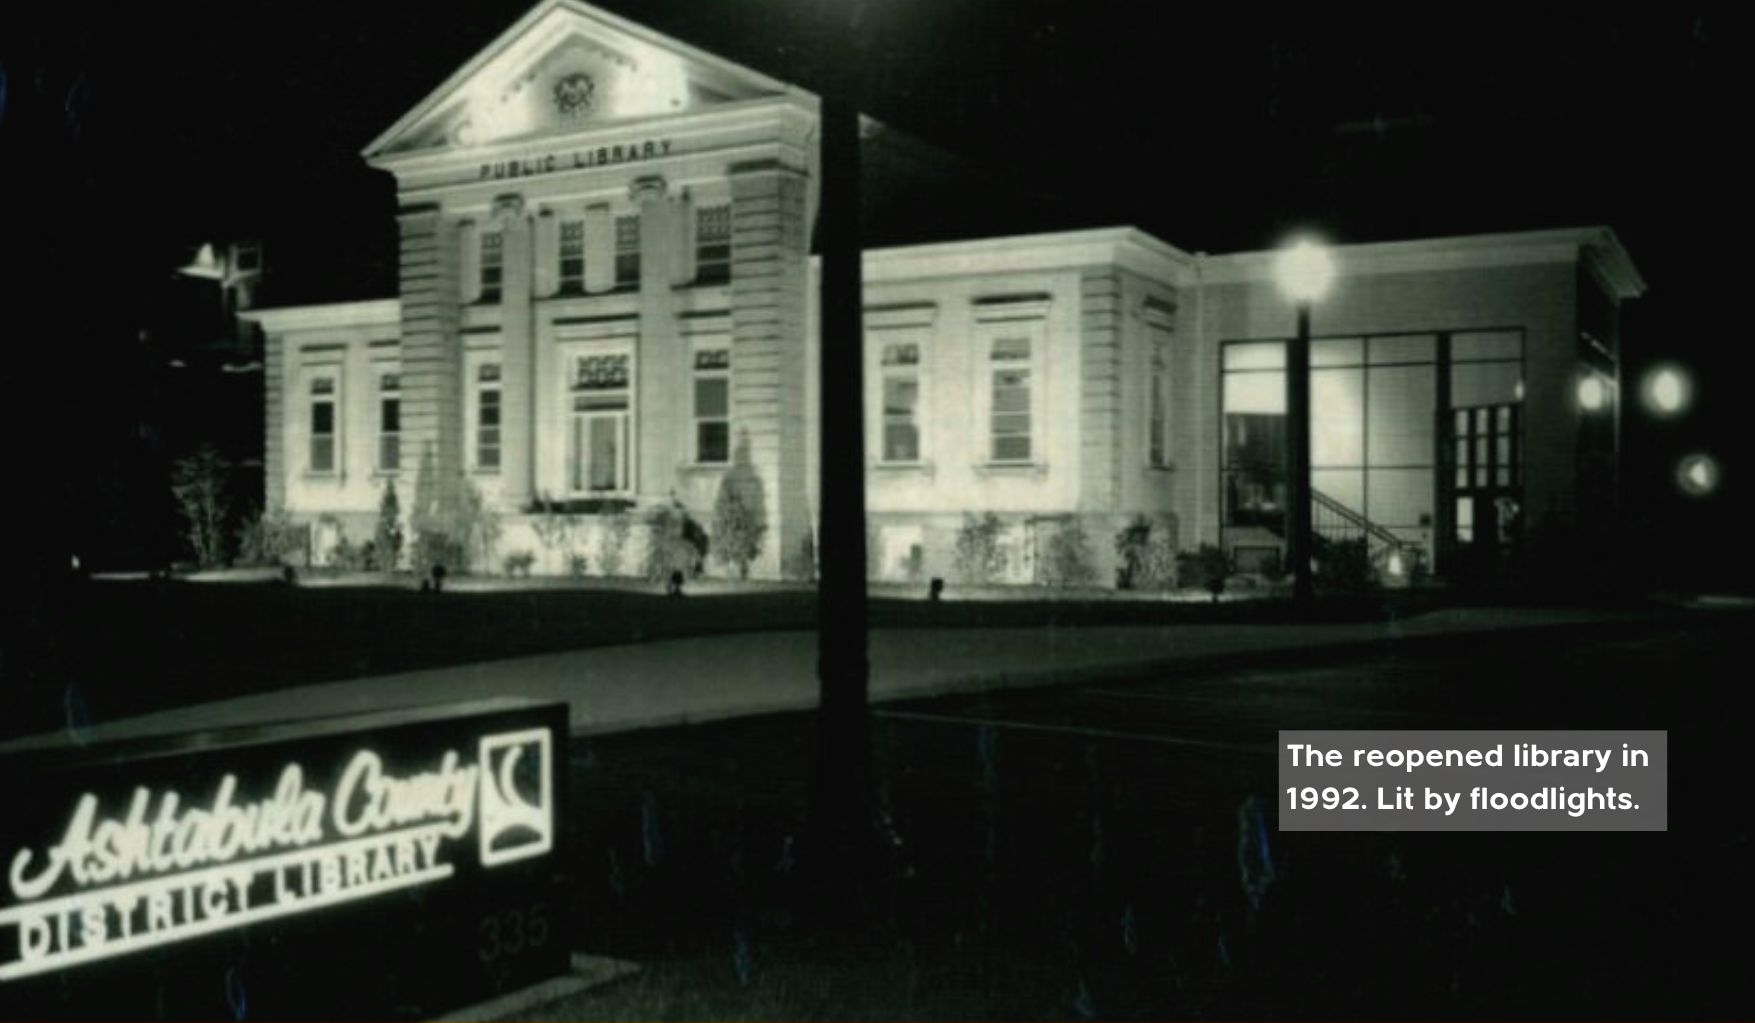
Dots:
(517, 796)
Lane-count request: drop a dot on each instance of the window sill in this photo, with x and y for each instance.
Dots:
(704, 468)
(919, 468)
(324, 477)
(1166, 467)
(386, 474)
(1036, 470)
(479, 471)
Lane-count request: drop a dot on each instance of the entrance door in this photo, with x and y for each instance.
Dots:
(1486, 487)
(600, 449)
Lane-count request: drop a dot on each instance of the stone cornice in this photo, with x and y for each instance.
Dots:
(1597, 247)
(384, 312)
(1126, 247)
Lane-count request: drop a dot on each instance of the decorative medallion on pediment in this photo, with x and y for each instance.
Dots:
(575, 95)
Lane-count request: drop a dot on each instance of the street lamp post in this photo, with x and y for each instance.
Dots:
(845, 817)
(1303, 271)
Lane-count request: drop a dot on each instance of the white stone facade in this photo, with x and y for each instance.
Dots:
(608, 302)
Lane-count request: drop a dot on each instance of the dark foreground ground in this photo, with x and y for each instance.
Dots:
(1112, 852)
(104, 650)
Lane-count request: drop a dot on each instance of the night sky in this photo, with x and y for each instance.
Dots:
(129, 135)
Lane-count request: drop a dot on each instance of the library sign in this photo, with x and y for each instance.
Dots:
(397, 853)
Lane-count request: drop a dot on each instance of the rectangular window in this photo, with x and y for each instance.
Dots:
(1010, 413)
(487, 416)
(713, 245)
(493, 251)
(627, 252)
(900, 376)
(572, 270)
(713, 406)
(323, 431)
(598, 439)
(1158, 414)
(389, 422)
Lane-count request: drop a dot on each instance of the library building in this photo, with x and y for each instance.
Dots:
(608, 307)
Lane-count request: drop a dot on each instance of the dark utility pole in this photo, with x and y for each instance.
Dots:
(1298, 459)
(845, 817)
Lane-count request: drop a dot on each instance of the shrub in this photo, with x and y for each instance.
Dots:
(616, 528)
(553, 525)
(1344, 566)
(578, 566)
(387, 539)
(679, 544)
(739, 523)
(351, 557)
(914, 564)
(478, 528)
(1146, 556)
(270, 538)
(519, 563)
(200, 482)
(1069, 560)
(979, 558)
(434, 549)
(1132, 547)
(1206, 567)
(802, 565)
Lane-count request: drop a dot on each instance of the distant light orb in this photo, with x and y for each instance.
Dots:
(1697, 475)
(1667, 391)
(1593, 393)
(1397, 566)
(1304, 270)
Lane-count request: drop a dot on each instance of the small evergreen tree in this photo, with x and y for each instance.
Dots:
(387, 539)
(738, 527)
(200, 482)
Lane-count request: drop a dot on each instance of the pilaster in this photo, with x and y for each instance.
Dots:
(769, 292)
(517, 355)
(432, 432)
(662, 377)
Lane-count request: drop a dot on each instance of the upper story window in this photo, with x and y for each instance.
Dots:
(572, 268)
(713, 406)
(1010, 418)
(899, 373)
(487, 417)
(627, 251)
(493, 264)
(713, 244)
(324, 426)
(389, 422)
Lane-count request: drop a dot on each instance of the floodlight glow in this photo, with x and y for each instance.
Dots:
(1304, 270)
(1593, 393)
(1667, 391)
(1697, 475)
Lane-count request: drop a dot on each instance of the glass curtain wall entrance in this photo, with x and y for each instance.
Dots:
(1400, 426)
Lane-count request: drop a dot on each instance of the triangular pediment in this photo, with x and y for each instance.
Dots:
(566, 67)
